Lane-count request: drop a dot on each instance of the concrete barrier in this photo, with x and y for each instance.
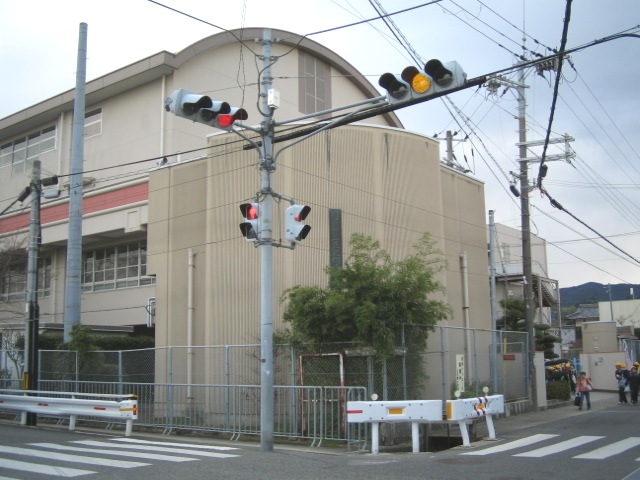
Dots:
(472, 408)
(68, 403)
(375, 412)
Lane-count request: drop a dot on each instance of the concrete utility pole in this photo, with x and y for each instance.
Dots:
(30, 374)
(267, 166)
(525, 190)
(73, 282)
(526, 241)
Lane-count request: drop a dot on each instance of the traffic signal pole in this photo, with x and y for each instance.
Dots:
(259, 215)
(265, 238)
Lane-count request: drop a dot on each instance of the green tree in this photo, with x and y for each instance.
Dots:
(369, 298)
(513, 318)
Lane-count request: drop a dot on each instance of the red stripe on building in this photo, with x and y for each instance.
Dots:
(95, 203)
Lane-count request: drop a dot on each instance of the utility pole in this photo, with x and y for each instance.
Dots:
(30, 374)
(526, 241)
(610, 302)
(73, 284)
(267, 166)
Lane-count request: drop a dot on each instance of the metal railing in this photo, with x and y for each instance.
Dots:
(315, 414)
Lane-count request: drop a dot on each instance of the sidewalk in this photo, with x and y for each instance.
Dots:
(599, 400)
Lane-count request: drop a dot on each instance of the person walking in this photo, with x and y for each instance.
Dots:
(583, 388)
(634, 384)
(622, 376)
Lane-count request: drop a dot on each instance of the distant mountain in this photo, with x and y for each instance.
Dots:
(593, 292)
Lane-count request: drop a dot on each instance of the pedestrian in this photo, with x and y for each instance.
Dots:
(634, 384)
(583, 388)
(622, 376)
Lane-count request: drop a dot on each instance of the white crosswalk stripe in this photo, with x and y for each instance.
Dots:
(612, 449)
(600, 453)
(560, 447)
(174, 444)
(98, 453)
(31, 452)
(156, 448)
(50, 470)
(119, 453)
(523, 442)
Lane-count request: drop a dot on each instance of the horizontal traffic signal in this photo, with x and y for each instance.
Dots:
(202, 109)
(435, 78)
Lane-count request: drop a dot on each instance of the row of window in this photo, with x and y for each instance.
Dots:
(315, 89)
(109, 268)
(13, 281)
(115, 267)
(15, 154)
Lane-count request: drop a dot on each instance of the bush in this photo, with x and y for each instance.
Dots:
(558, 390)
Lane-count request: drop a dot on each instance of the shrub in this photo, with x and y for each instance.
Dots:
(558, 390)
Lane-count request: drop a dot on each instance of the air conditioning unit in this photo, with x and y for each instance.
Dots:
(151, 311)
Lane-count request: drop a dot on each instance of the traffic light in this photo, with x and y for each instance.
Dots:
(200, 108)
(251, 224)
(414, 84)
(295, 230)
(225, 121)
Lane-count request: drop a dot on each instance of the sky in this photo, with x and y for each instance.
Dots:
(597, 102)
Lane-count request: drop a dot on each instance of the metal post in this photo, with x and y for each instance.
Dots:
(30, 375)
(74, 242)
(494, 301)
(267, 166)
(611, 303)
(526, 242)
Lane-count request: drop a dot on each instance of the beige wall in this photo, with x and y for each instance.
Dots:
(135, 127)
(388, 184)
(600, 367)
(599, 337)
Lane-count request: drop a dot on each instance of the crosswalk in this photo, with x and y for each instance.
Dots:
(555, 446)
(85, 457)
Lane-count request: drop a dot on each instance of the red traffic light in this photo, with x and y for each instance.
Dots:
(251, 225)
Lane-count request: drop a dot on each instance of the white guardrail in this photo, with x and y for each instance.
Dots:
(414, 411)
(68, 403)
(471, 408)
(425, 411)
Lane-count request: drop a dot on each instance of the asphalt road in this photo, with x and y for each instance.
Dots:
(602, 443)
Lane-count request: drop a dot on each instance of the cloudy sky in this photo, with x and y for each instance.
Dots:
(597, 103)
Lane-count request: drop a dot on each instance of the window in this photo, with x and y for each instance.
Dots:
(117, 267)
(314, 84)
(13, 281)
(16, 153)
(93, 123)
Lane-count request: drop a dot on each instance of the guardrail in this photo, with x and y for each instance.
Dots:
(414, 411)
(425, 411)
(71, 403)
(472, 408)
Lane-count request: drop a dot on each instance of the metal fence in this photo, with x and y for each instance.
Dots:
(217, 388)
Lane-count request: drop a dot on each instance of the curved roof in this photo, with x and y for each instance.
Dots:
(164, 63)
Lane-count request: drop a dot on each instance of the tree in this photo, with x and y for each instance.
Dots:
(513, 320)
(369, 298)
(13, 255)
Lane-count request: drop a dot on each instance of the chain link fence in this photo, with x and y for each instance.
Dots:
(217, 388)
